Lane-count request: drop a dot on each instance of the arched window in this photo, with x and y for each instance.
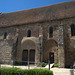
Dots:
(5, 35)
(29, 33)
(72, 30)
(51, 32)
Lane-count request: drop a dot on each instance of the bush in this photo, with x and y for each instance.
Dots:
(43, 64)
(17, 63)
(69, 66)
(56, 64)
(17, 71)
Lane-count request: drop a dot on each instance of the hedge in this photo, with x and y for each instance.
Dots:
(17, 71)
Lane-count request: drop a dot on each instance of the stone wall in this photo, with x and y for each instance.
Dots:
(37, 29)
(68, 40)
(7, 45)
(5, 50)
(69, 44)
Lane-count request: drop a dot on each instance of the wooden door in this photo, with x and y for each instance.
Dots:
(25, 57)
(32, 56)
(51, 57)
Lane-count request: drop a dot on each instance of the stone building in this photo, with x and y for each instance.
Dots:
(40, 34)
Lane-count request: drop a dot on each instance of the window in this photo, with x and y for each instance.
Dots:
(72, 30)
(5, 35)
(51, 32)
(29, 33)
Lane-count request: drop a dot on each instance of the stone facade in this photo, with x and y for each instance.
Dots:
(61, 44)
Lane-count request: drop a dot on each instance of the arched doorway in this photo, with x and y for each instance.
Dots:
(50, 51)
(28, 51)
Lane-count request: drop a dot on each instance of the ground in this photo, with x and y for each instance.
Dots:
(63, 71)
(56, 71)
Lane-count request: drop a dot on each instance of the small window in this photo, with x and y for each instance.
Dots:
(51, 32)
(72, 30)
(29, 33)
(5, 35)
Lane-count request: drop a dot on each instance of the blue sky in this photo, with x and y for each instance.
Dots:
(17, 5)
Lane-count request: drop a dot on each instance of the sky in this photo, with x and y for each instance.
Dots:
(18, 5)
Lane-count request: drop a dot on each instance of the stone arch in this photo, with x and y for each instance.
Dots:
(28, 46)
(50, 47)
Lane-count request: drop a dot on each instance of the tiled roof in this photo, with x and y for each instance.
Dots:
(47, 13)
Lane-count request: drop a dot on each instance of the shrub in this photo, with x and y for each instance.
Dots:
(56, 64)
(17, 63)
(43, 64)
(69, 66)
(17, 71)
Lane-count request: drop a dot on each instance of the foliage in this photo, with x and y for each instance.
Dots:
(17, 71)
(56, 64)
(43, 64)
(17, 63)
